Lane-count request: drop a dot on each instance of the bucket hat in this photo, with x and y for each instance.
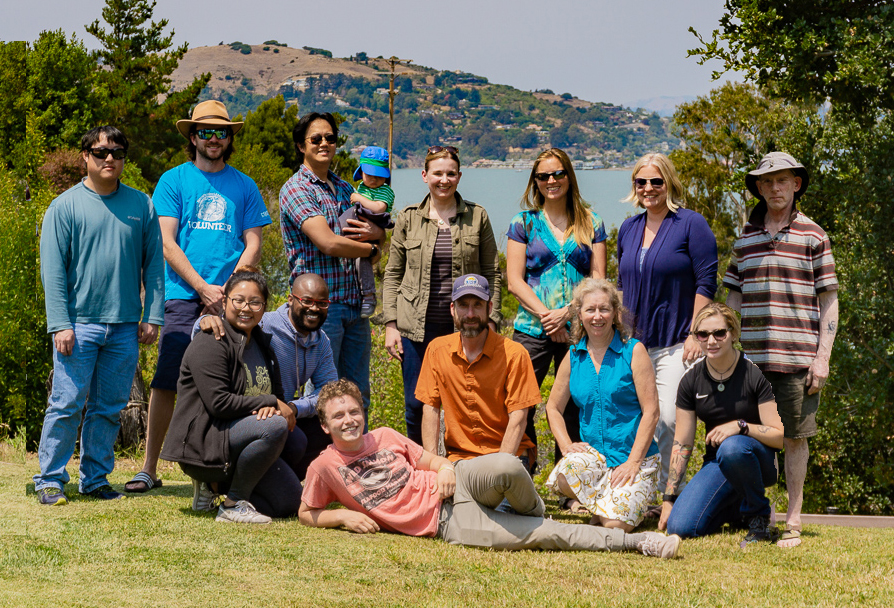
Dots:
(777, 161)
(373, 161)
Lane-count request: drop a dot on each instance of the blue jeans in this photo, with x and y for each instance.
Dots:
(728, 489)
(410, 367)
(102, 365)
(350, 338)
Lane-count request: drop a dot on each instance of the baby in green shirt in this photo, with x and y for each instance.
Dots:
(372, 201)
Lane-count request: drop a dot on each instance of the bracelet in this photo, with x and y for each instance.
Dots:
(671, 498)
(448, 466)
(743, 427)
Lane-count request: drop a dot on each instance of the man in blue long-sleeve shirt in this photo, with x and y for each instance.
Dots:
(100, 243)
(303, 352)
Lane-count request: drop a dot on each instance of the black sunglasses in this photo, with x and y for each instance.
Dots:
(719, 335)
(436, 149)
(557, 175)
(209, 133)
(656, 182)
(316, 139)
(103, 153)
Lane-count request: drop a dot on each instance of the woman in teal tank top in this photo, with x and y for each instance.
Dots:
(613, 470)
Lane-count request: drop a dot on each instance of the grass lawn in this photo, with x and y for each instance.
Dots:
(151, 550)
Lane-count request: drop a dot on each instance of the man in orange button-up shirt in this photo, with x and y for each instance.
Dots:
(484, 382)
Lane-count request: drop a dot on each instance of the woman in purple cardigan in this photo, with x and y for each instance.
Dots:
(667, 271)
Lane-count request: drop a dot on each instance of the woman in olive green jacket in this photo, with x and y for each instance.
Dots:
(433, 244)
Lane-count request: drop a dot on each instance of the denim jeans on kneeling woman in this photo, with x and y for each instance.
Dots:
(728, 489)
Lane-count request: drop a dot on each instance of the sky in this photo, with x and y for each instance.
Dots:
(598, 50)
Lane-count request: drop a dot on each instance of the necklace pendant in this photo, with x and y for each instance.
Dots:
(720, 387)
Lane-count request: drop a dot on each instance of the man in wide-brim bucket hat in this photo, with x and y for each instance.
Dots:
(777, 161)
(210, 113)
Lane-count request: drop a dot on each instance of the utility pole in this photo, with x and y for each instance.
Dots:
(391, 93)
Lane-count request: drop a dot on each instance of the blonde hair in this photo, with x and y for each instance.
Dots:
(580, 221)
(675, 192)
(728, 314)
(590, 286)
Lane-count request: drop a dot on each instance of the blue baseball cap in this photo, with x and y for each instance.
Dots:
(471, 284)
(373, 161)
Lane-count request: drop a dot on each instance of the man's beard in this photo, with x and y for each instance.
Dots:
(468, 331)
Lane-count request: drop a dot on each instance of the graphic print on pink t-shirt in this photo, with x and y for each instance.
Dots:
(375, 478)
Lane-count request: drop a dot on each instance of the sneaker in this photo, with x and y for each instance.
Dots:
(659, 545)
(104, 493)
(368, 307)
(760, 530)
(203, 499)
(243, 512)
(51, 496)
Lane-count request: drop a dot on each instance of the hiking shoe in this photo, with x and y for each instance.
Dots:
(368, 308)
(760, 530)
(203, 499)
(104, 493)
(51, 496)
(243, 512)
(659, 545)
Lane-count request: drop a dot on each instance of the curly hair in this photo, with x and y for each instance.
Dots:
(334, 390)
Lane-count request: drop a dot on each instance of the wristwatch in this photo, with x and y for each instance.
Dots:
(671, 498)
(374, 251)
(743, 427)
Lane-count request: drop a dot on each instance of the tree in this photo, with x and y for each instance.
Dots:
(136, 75)
(60, 92)
(838, 52)
(13, 97)
(270, 127)
(810, 50)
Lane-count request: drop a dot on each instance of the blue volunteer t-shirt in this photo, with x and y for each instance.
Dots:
(213, 209)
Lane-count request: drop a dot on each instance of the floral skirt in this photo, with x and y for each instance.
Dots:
(590, 480)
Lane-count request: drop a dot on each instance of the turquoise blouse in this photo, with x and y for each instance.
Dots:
(609, 408)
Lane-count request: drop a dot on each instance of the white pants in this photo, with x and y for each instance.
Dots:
(669, 368)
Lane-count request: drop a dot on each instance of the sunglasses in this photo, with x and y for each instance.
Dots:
(557, 175)
(209, 133)
(308, 302)
(316, 139)
(103, 153)
(719, 335)
(436, 149)
(656, 182)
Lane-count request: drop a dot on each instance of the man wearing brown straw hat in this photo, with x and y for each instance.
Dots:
(782, 279)
(211, 217)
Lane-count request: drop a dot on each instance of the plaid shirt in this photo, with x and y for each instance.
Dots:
(304, 196)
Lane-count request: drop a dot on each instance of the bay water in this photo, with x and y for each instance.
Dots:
(500, 191)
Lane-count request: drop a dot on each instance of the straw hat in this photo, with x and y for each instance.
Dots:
(211, 114)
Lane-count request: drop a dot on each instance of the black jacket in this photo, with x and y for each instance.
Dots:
(210, 396)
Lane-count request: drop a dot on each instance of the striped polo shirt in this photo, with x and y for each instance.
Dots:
(780, 279)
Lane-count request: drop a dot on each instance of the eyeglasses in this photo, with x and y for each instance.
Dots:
(719, 335)
(253, 305)
(436, 149)
(557, 175)
(656, 182)
(316, 139)
(103, 153)
(209, 133)
(308, 302)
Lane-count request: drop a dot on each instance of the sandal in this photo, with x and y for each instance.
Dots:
(141, 483)
(789, 539)
(653, 512)
(573, 505)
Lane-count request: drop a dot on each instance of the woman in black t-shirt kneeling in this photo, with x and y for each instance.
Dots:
(743, 432)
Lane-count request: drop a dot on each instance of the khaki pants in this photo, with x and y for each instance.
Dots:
(482, 483)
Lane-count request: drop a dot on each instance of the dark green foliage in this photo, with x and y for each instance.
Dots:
(25, 355)
(137, 70)
(14, 99)
(316, 51)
